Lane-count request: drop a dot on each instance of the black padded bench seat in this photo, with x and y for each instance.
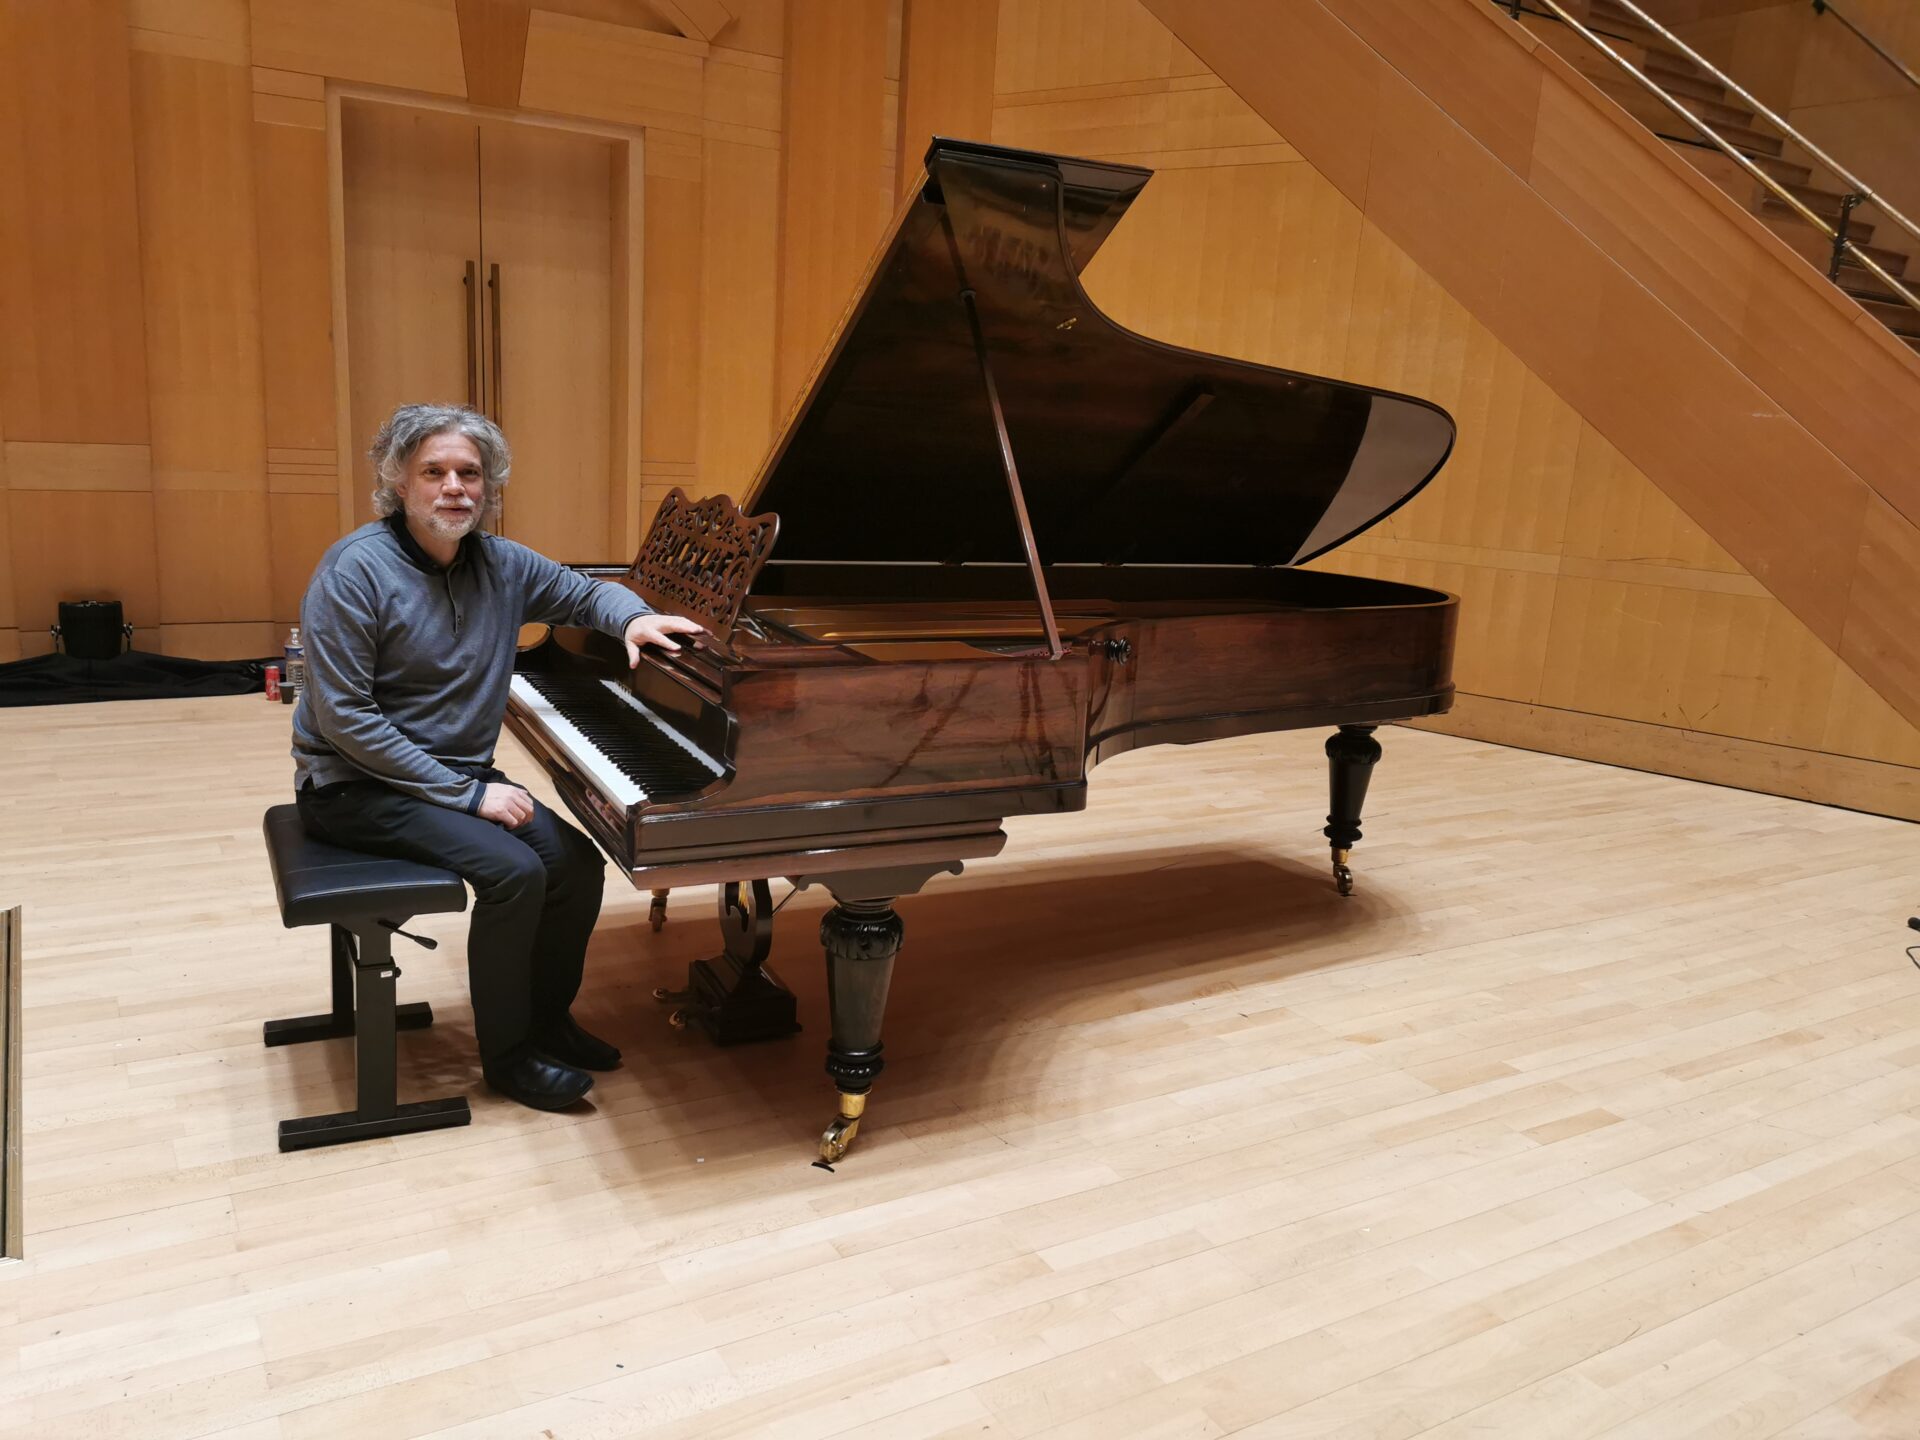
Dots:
(365, 899)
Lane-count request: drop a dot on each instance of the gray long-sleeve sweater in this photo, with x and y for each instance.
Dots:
(408, 663)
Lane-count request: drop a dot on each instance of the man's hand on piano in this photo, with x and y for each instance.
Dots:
(657, 630)
(506, 805)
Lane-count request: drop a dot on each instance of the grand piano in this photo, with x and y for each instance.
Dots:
(999, 538)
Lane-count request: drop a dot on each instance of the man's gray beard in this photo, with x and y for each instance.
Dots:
(447, 528)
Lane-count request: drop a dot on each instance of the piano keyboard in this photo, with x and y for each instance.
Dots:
(625, 750)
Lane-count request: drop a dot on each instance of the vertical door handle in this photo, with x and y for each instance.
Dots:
(473, 340)
(493, 286)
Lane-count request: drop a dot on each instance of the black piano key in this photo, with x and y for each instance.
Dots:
(632, 743)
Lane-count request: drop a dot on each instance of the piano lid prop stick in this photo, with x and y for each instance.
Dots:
(1054, 647)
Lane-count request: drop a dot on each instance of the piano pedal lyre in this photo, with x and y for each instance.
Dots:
(657, 914)
(733, 997)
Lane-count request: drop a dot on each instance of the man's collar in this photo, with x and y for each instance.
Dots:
(397, 522)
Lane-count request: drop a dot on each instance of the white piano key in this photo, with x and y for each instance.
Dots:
(600, 772)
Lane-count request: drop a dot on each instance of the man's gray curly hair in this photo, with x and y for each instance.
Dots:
(412, 425)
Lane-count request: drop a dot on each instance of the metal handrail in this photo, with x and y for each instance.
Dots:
(1825, 7)
(1842, 244)
(1854, 182)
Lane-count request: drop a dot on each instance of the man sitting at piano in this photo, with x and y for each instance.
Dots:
(410, 626)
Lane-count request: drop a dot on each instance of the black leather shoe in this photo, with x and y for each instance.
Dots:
(536, 1079)
(564, 1040)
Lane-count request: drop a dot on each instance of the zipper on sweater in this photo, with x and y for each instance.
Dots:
(446, 577)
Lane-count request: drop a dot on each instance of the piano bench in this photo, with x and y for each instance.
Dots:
(364, 899)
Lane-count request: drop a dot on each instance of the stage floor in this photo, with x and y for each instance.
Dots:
(1594, 1111)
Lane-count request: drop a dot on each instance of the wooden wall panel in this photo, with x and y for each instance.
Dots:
(1078, 44)
(1616, 516)
(211, 547)
(1283, 304)
(407, 44)
(1695, 659)
(1169, 120)
(740, 246)
(82, 545)
(1859, 722)
(234, 640)
(671, 382)
(613, 72)
(39, 465)
(1517, 439)
(833, 191)
(201, 279)
(302, 526)
(296, 303)
(302, 472)
(7, 621)
(194, 29)
(744, 97)
(73, 367)
(1835, 66)
(947, 52)
(759, 26)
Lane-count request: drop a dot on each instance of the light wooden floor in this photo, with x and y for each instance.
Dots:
(1595, 1112)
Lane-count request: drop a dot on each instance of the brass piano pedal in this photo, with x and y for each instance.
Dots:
(657, 913)
(838, 1137)
(1342, 872)
(686, 1007)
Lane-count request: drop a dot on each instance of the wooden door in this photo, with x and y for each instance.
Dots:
(547, 233)
(412, 199)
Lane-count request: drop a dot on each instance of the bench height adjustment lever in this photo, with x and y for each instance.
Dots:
(417, 939)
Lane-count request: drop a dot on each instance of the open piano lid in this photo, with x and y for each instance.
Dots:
(1128, 450)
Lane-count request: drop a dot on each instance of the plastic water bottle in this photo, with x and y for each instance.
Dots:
(295, 679)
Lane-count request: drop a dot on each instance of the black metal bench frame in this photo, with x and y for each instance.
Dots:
(363, 979)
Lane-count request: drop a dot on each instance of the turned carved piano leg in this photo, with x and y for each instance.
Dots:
(862, 937)
(657, 911)
(1351, 754)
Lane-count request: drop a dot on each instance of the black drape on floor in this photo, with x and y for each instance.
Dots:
(136, 675)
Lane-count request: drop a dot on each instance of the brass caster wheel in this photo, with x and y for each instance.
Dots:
(663, 995)
(677, 1019)
(657, 911)
(838, 1137)
(1342, 874)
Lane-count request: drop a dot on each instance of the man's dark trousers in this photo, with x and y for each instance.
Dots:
(537, 892)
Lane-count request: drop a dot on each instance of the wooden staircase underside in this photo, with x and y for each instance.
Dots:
(1779, 415)
(1749, 133)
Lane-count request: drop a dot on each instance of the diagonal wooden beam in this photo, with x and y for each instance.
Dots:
(695, 19)
(493, 47)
